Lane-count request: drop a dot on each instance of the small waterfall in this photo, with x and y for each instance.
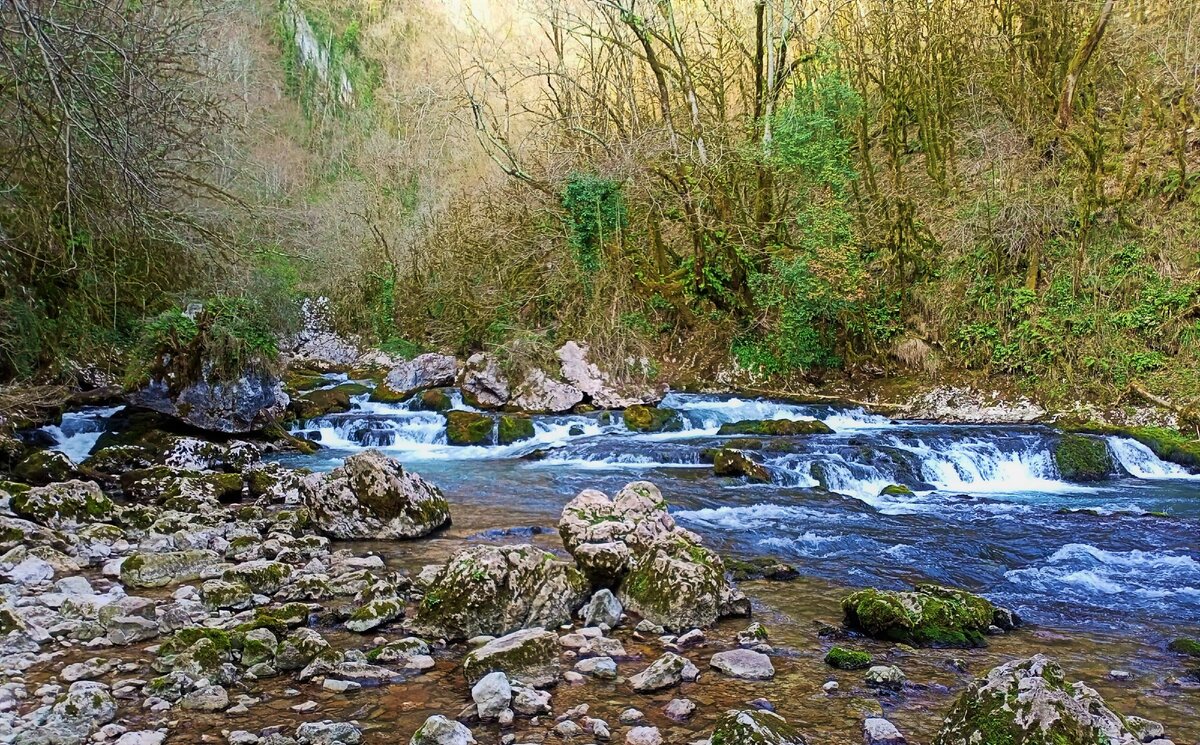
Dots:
(76, 436)
(703, 415)
(1141, 462)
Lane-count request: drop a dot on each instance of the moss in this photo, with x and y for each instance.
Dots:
(895, 490)
(298, 381)
(320, 402)
(848, 659)
(514, 428)
(652, 419)
(385, 394)
(1082, 458)
(1189, 647)
(775, 427)
(468, 428)
(928, 616)
(434, 399)
(1168, 444)
(727, 462)
(277, 620)
(184, 639)
(44, 467)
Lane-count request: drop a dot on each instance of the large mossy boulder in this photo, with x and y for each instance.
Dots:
(1082, 458)
(929, 615)
(324, 401)
(528, 655)
(43, 467)
(775, 427)
(642, 418)
(468, 428)
(1029, 702)
(144, 569)
(372, 496)
(62, 505)
(754, 727)
(483, 383)
(514, 428)
(496, 590)
(631, 544)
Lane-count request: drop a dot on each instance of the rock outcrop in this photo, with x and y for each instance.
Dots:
(660, 571)
(496, 590)
(1030, 701)
(540, 394)
(428, 370)
(483, 383)
(248, 404)
(597, 384)
(373, 497)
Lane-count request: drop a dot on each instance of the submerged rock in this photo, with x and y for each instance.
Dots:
(372, 497)
(1029, 701)
(755, 727)
(847, 659)
(728, 462)
(499, 589)
(775, 427)
(743, 663)
(929, 615)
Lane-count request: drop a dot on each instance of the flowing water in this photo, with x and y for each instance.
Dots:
(1107, 572)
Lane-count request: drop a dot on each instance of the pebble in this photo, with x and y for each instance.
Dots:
(1119, 674)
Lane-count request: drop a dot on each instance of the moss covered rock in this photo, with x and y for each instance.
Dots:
(1029, 702)
(728, 462)
(436, 399)
(514, 428)
(848, 659)
(895, 490)
(143, 569)
(468, 428)
(642, 418)
(929, 615)
(528, 655)
(1168, 444)
(499, 589)
(262, 577)
(754, 727)
(44, 467)
(775, 427)
(372, 496)
(64, 504)
(676, 583)
(301, 380)
(1183, 645)
(1082, 458)
(325, 400)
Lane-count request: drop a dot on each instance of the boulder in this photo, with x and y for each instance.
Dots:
(423, 371)
(325, 400)
(483, 383)
(1030, 701)
(143, 569)
(492, 694)
(677, 584)
(468, 428)
(596, 384)
(44, 467)
(248, 404)
(539, 394)
(755, 727)
(514, 428)
(929, 615)
(775, 427)
(640, 418)
(889, 677)
(847, 659)
(603, 533)
(602, 609)
(74, 716)
(879, 731)
(729, 462)
(438, 730)
(64, 504)
(495, 590)
(372, 497)
(328, 733)
(434, 399)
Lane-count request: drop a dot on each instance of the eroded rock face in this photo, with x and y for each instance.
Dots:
(495, 590)
(372, 497)
(483, 383)
(929, 615)
(540, 394)
(597, 384)
(755, 727)
(423, 371)
(659, 570)
(317, 341)
(1029, 701)
(248, 404)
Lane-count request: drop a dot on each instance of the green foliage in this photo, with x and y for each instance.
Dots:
(595, 215)
(219, 342)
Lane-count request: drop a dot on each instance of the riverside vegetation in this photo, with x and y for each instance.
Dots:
(600, 370)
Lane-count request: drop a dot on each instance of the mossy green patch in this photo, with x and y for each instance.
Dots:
(468, 428)
(848, 659)
(775, 427)
(652, 419)
(1082, 458)
(514, 428)
(928, 616)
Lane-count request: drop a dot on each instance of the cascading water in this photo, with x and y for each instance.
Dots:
(1141, 462)
(78, 432)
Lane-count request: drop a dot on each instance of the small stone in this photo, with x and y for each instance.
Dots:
(830, 687)
(631, 716)
(305, 707)
(601, 668)
(340, 686)
(878, 731)
(643, 736)
(885, 676)
(743, 663)
(1119, 675)
(492, 695)
(680, 709)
